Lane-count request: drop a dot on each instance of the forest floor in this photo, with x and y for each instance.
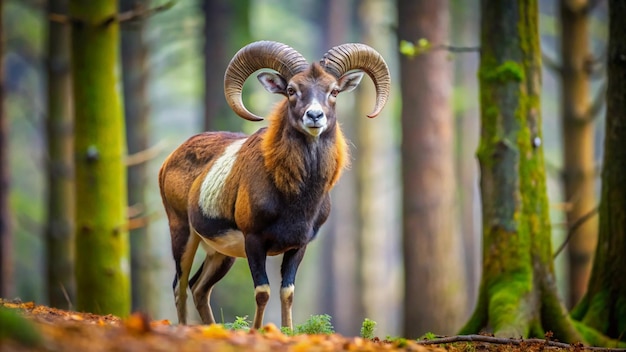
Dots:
(50, 329)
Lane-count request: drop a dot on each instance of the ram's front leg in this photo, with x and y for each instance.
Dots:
(291, 261)
(257, 255)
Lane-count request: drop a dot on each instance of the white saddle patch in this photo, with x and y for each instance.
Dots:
(212, 185)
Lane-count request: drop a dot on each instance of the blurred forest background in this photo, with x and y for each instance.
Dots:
(173, 60)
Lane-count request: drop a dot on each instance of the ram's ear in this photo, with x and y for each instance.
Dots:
(349, 81)
(273, 82)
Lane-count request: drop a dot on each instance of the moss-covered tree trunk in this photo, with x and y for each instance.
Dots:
(517, 294)
(6, 243)
(135, 79)
(60, 223)
(604, 306)
(102, 265)
(578, 141)
(433, 269)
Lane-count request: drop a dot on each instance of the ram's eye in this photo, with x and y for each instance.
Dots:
(334, 92)
(290, 91)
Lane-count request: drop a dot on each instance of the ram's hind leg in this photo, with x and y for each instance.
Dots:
(213, 269)
(184, 247)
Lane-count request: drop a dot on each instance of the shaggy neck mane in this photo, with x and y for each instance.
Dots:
(294, 159)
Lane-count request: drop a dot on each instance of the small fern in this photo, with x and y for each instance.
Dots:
(367, 329)
(316, 324)
(240, 323)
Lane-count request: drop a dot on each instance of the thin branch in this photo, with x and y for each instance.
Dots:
(456, 49)
(551, 64)
(572, 229)
(145, 155)
(591, 5)
(598, 102)
(131, 15)
(142, 221)
(141, 13)
(510, 341)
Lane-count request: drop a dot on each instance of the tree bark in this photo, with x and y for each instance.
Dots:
(465, 33)
(517, 294)
(578, 143)
(604, 306)
(102, 266)
(135, 80)
(60, 228)
(6, 236)
(226, 30)
(434, 281)
(378, 179)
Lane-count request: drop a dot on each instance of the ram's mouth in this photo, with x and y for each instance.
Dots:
(314, 129)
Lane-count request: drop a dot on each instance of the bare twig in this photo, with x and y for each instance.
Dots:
(598, 102)
(551, 64)
(572, 229)
(511, 341)
(135, 14)
(591, 5)
(145, 155)
(142, 221)
(140, 13)
(456, 49)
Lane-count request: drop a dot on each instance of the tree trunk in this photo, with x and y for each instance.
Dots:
(60, 229)
(226, 30)
(434, 281)
(102, 266)
(135, 79)
(6, 242)
(604, 306)
(467, 123)
(517, 294)
(578, 142)
(377, 169)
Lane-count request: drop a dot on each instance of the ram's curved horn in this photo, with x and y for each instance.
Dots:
(355, 56)
(255, 56)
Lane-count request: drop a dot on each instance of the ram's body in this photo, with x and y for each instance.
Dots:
(258, 195)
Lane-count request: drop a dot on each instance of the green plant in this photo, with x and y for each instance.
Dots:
(428, 336)
(240, 323)
(367, 329)
(316, 324)
(287, 331)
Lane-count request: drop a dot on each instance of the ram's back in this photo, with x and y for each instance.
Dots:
(185, 164)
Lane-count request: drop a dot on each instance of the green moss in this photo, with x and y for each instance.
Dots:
(508, 303)
(15, 327)
(595, 338)
(508, 71)
(479, 318)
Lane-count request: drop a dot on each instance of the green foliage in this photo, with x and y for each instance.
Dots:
(399, 342)
(508, 71)
(411, 50)
(367, 329)
(240, 323)
(14, 326)
(428, 336)
(316, 324)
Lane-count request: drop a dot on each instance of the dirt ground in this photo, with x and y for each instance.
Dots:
(59, 330)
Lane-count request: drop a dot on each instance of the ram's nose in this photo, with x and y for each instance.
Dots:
(315, 115)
